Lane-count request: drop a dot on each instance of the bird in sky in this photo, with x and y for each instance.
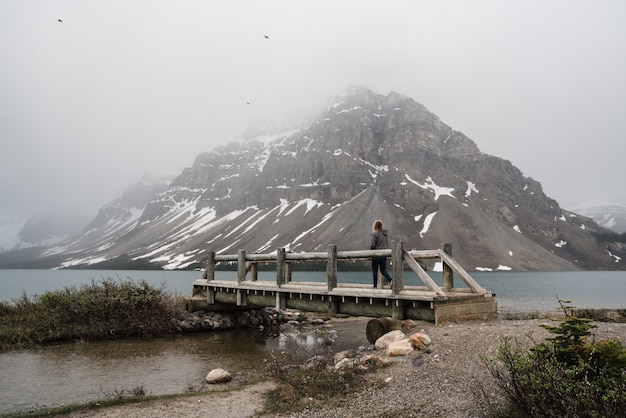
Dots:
(60, 21)
(266, 37)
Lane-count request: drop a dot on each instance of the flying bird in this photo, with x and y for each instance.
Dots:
(266, 37)
(60, 21)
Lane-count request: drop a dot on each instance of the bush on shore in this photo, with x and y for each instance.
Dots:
(108, 309)
(568, 375)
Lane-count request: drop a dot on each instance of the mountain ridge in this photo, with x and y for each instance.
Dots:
(365, 156)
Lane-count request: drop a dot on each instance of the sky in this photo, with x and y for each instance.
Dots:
(123, 88)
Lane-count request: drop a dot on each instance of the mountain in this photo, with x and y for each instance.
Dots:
(324, 181)
(114, 220)
(608, 215)
(16, 234)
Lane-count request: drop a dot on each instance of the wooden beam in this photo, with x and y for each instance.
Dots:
(424, 277)
(471, 283)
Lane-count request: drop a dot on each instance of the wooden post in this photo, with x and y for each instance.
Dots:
(331, 267)
(254, 272)
(280, 267)
(397, 254)
(448, 275)
(333, 305)
(281, 301)
(241, 266)
(288, 269)
(210, 268)
(209, 275)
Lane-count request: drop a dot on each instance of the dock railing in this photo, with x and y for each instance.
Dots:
(248, 262)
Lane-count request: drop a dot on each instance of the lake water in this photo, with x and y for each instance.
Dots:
(66, 373)
(514, 290)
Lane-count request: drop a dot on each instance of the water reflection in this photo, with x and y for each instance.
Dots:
(68, 373)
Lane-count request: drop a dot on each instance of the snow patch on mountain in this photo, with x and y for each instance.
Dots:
(431, 185)
(471, 187)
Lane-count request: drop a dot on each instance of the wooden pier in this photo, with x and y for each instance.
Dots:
(428, 302)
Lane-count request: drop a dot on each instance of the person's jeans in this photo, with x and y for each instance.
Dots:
(380, 263)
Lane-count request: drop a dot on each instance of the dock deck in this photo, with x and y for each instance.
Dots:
(429, 302)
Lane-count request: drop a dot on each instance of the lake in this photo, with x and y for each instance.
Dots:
(67, 373)
(515, 291)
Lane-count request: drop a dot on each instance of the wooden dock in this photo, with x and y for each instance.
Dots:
(428, 302)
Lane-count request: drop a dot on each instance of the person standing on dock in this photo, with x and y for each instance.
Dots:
(379, 241)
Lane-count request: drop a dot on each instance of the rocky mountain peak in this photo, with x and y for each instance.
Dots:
(322, 181)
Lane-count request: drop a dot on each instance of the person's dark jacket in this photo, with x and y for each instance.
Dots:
(379, 240)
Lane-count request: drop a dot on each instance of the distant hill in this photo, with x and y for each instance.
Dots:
(311, 183)
(608, 215)
(17, 234)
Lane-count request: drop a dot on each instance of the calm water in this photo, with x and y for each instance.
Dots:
(69, 373)
(514, 290)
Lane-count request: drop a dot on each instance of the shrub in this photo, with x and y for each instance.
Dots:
(313, 382)
(564, 376)
(105, 310)
(521, 316)
(598, 315)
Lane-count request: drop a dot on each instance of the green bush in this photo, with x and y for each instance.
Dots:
(105, 310)
(568, 375)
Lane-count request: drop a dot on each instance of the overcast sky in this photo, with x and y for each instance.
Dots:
(125, 87)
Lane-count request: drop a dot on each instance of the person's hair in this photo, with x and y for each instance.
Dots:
(378, 225)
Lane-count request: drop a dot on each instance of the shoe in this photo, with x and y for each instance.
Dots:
(390, 281)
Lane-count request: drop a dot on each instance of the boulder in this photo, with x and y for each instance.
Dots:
(383, 342)
(420, 340)
(218, 376)
(401, 347)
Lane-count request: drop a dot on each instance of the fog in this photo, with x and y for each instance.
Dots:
(122, 88)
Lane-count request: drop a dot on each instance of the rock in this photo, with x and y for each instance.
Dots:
(400, 348)
(372, 360)
(314, 363)
(345, 364)
(190, 326)
(243, 319)
(420, 340)
(418, 361)
(384, 341)
(291, 316)
(341, 355)
(218, 376)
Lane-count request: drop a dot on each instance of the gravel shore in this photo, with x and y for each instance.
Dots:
(441, 383)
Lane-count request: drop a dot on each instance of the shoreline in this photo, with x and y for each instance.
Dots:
(442, 382)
